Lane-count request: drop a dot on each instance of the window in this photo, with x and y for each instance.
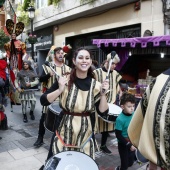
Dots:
(41, 3)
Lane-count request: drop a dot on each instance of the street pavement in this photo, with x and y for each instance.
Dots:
(17, 151)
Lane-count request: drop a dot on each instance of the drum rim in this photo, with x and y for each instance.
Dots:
(48, 129)
(78, 152)
(53, 111)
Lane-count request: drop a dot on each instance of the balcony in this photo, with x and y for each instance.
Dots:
(70, 10)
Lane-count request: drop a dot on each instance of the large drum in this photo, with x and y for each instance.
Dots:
(114, 112)
(71, 160)
(53, 117)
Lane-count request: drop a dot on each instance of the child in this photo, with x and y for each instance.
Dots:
(125, 148)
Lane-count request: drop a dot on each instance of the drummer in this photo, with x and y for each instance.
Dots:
(114, 78)
(80, 94)
(47, 78)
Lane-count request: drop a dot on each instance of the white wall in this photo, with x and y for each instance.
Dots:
(115, 18)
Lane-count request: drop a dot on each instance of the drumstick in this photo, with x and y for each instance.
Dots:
(48, 64)
(113, 53)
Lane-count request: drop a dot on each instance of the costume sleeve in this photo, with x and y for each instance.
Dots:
(135, 126)
(34, 83)
(23, 47)
(7, 49)
(121, 139)
(44, 77)
(43, 98)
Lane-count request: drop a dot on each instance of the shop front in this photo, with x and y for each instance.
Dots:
(141, 59)
(42, 46)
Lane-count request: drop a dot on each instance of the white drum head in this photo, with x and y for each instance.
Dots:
(73, 160)
(114, 109)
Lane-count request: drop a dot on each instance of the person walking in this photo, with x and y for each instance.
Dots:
(47, 78)
(114, 78)
(125, 147)
(149, 129)
(26, 83)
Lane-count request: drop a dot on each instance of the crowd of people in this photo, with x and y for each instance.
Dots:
(83, 94)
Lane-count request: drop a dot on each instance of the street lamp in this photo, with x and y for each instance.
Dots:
(31, 14)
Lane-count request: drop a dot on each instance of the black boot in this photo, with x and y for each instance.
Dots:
(32, 115)
(25, 118)
(39, 141)
(4, 124)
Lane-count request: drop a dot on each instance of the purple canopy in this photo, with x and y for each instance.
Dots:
(133, 41)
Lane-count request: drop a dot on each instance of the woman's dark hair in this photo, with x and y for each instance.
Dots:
(127, 97)
(73, 71)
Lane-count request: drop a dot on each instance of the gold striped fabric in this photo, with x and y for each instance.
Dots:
(76, 129)
(60, 70)
(149, 129)
(114, 78)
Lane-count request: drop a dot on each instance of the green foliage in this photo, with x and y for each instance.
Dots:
(50, 2)
(26, 4)
(87, 1)
(3, 38)
(54, 2)
(23, 15)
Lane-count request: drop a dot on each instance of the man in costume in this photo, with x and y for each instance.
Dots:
(149, 129)
(16, 53)
(26, 83)
(48, 77)
(114, 78)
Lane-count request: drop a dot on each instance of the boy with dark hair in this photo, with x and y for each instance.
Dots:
(125, 148)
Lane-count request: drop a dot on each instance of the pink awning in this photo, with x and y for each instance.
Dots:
(133, 41)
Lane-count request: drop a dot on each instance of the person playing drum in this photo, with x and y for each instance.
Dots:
(125, 148)
(26, 82)
(48, 77)
(114, 78)
(79, 94)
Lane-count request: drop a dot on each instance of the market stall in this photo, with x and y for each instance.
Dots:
(142, 59)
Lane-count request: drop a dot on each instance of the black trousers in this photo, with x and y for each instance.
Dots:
(127, 156)
(104, 138)
(41, 130)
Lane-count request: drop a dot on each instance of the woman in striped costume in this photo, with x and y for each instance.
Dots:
(80, 95)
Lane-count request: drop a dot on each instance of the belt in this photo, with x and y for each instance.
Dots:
(77, 114)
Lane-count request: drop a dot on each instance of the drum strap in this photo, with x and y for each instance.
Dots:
(77, 114)
(73, 146)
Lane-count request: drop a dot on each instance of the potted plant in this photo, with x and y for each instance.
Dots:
(32, 39)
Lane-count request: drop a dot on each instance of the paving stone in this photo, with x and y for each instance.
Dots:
(19, 154)
(5, 157)
(27, 163)
(27, 143)
(6, 146)
(42, 156)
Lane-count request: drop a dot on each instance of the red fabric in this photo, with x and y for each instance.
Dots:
(2, 116)
(66, 49)
(3, 65)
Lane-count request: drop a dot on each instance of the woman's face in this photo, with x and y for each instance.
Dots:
(13, 36)
(82, 61)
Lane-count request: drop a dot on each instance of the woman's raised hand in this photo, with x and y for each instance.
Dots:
(62, 82)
